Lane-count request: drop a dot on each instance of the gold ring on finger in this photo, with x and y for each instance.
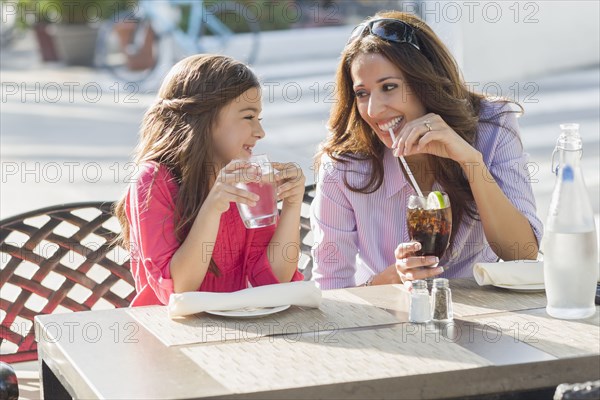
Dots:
(428, 125)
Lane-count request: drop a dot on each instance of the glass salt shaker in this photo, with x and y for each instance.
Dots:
(441, 304)
(420, 307)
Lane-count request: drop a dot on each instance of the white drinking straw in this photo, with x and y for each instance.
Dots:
(408, 171)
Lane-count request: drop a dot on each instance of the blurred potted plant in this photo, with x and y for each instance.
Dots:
(31, 16)
(73, 24)
(142, 55)
(76, 32)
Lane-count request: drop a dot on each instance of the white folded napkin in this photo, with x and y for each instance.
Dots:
(509, 273)
(301, 293)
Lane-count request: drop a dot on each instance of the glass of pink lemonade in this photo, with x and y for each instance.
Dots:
(264, 213)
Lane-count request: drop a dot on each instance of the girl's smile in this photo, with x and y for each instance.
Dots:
(238, 127)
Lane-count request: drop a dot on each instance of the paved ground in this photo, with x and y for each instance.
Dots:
(67, 133)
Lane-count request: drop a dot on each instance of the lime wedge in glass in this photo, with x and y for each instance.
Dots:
(435, 201)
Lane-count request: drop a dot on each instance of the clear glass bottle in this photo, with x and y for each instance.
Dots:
(570, 244)
(420, 311)
(441, 300)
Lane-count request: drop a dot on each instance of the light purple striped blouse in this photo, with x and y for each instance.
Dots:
(356, 234)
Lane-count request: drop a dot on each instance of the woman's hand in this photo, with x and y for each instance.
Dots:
(430, 134)
(411, 267)
(290, 183)
(224, 191)
(387, 276)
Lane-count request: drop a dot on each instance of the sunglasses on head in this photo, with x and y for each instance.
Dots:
(392, 30)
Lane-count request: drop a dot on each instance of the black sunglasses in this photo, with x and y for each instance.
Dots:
(392, 30)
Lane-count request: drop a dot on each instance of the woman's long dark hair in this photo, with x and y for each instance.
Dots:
(433, 76)
(177, 131)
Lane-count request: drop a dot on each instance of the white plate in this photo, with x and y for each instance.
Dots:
(523, 288)
(249, 312)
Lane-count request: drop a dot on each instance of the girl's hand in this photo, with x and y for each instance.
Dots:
(411, 267)
(290, 183)
(224, 191)
(416, 137)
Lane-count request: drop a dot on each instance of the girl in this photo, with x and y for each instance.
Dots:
(396, 74)
(179, 216)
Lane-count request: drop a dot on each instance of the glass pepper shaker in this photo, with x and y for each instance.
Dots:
(441, 304)
(420, 307)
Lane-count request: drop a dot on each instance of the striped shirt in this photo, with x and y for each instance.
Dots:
(356, 234)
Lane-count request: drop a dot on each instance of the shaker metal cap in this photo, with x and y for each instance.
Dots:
(419, 284)
(440, 283)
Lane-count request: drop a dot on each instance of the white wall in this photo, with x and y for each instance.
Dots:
(503, 41)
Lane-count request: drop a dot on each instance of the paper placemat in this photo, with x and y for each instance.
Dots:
(469, 299)
(281, 362)
(558, 337)
(339, 309)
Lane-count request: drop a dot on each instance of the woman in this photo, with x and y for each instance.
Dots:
(179, 216)
(396, 74)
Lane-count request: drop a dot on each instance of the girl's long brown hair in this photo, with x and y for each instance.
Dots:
(433, 76)
(176, 131)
